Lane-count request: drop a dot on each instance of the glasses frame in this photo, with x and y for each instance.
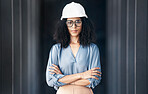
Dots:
(73, 22)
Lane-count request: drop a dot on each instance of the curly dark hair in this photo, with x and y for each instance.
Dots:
(86, 36)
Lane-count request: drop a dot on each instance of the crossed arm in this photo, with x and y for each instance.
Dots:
(78, 78)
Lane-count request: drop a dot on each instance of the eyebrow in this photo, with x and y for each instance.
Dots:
(75, 20)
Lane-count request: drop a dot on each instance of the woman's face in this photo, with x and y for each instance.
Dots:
(74, 26)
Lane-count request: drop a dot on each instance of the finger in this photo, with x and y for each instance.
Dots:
(53, 65)
(50, 70)
(95, 74)
(55, 68)
(95, 68)
(53, 71)
(94, 77)
(95, 71)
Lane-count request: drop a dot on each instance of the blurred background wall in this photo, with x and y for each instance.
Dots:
(26, 28)
(127, 44)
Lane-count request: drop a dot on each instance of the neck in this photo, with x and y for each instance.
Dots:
(74, 39)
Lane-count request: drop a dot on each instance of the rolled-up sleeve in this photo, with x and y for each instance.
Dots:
(52, 79)
(94, 62)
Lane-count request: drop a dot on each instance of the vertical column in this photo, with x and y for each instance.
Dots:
(126, 46)
(141, 47)
(6, 47)
(19, 47)
(130, 46)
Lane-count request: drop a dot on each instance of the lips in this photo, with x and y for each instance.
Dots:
(74, 31)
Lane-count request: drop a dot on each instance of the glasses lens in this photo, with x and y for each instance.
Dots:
(70, 23)
(78, 22)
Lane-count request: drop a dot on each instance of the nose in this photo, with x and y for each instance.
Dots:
(74, 25)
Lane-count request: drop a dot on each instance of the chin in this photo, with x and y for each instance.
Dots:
(74, 35)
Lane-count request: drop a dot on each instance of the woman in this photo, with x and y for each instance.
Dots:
(74, 62)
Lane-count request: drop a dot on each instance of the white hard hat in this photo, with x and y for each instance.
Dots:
(73, 10)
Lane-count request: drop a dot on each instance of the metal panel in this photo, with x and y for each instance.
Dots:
(130, 47)
(19, 47)
(141, 46)
(126, 46)
(6, 47)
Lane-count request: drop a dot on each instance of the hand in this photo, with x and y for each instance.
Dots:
(55, 69)
(90, 73)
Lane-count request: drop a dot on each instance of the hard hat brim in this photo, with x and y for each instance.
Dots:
(74, 16)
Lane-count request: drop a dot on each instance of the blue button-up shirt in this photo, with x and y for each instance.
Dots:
(87, 57)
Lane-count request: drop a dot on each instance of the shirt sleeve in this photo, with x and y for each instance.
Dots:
(52, 79)
(94, 62)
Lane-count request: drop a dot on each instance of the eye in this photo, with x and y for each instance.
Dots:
(78, 21)
(69, 22)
